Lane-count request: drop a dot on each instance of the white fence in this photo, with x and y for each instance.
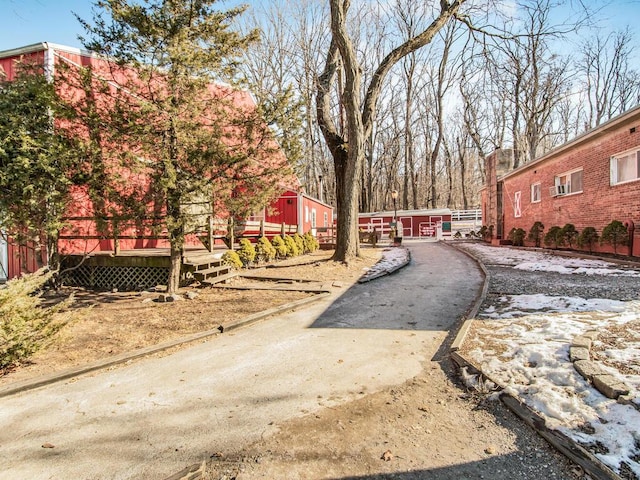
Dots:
(465, 221)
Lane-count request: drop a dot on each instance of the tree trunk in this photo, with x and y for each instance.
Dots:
(348, 154)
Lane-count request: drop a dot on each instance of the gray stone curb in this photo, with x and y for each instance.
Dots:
(475, 308)
(607, 384)
(30, 384)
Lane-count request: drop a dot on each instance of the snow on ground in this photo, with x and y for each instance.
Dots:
(523, 343)
(537, 261)
(392, 259)
(519, 305)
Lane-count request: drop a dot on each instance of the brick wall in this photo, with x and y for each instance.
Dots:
(598, 204)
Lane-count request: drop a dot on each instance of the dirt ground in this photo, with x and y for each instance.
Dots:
(111, 323)
(428, 427)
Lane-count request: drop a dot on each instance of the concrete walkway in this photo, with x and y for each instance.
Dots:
(153, 417)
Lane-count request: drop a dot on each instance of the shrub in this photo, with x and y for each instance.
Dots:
(279, 245)
(25, 325)
(232, 259)
(615, 234)
(569, 234)
(588, 238)
(311, 243)
(264, 250)
(297, 238)
(535, 234)
(292, 248)
(486, 232)
(553, 237)
(457, 234)
(247, 252)
(516, 235)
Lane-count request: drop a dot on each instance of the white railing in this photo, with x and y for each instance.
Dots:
(465, 221)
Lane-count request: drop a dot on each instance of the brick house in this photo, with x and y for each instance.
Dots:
(589, 181)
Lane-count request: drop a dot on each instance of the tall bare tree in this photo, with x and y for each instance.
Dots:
(348, 150)
(611, 84)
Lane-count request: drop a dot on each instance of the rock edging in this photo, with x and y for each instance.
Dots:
(607, 384)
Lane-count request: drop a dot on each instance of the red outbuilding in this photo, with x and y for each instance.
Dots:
(426, 224)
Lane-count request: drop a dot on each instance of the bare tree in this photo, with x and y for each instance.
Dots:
(611, 84)
(348, 150)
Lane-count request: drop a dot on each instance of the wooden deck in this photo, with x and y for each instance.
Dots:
(133, 269)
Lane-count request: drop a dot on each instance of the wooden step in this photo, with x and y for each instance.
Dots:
(215, 271)
(219, 278)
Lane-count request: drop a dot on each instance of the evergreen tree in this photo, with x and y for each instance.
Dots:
(36, 161)
(197, 139)
(588, 238)
(536, 233)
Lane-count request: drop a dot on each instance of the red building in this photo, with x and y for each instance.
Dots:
(298, 208)
(588, 182)
(83, 234)
(435, 224)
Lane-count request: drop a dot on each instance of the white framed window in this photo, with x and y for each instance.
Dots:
(625, 167)
(517, 204)
(536, 193)
(326, 219)
(306, 213)
(313, 218)
(567, 183)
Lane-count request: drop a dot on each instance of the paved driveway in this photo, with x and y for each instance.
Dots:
(151, 418)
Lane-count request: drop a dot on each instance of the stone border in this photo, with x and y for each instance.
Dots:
(607, 384)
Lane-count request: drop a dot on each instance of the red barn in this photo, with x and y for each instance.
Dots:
(588, 182)
(83, 233)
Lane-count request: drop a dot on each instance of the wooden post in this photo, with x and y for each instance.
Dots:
(210, 232)
(262, 228)
(116, 242)
(230, 233)
(282, 229)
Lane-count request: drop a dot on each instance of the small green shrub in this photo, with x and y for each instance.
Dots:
(486, 232)
(569, 234)
(311, 243)
(265, 252)
(615, 234)
(297, 238)
(25, 325)
(247, 252)
(516, 235)
(588, 238)
(279, 245)
(232, 259)
(535, 233)
(292, 248)
(553, 237)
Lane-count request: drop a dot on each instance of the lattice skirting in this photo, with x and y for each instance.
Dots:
(124, 278)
